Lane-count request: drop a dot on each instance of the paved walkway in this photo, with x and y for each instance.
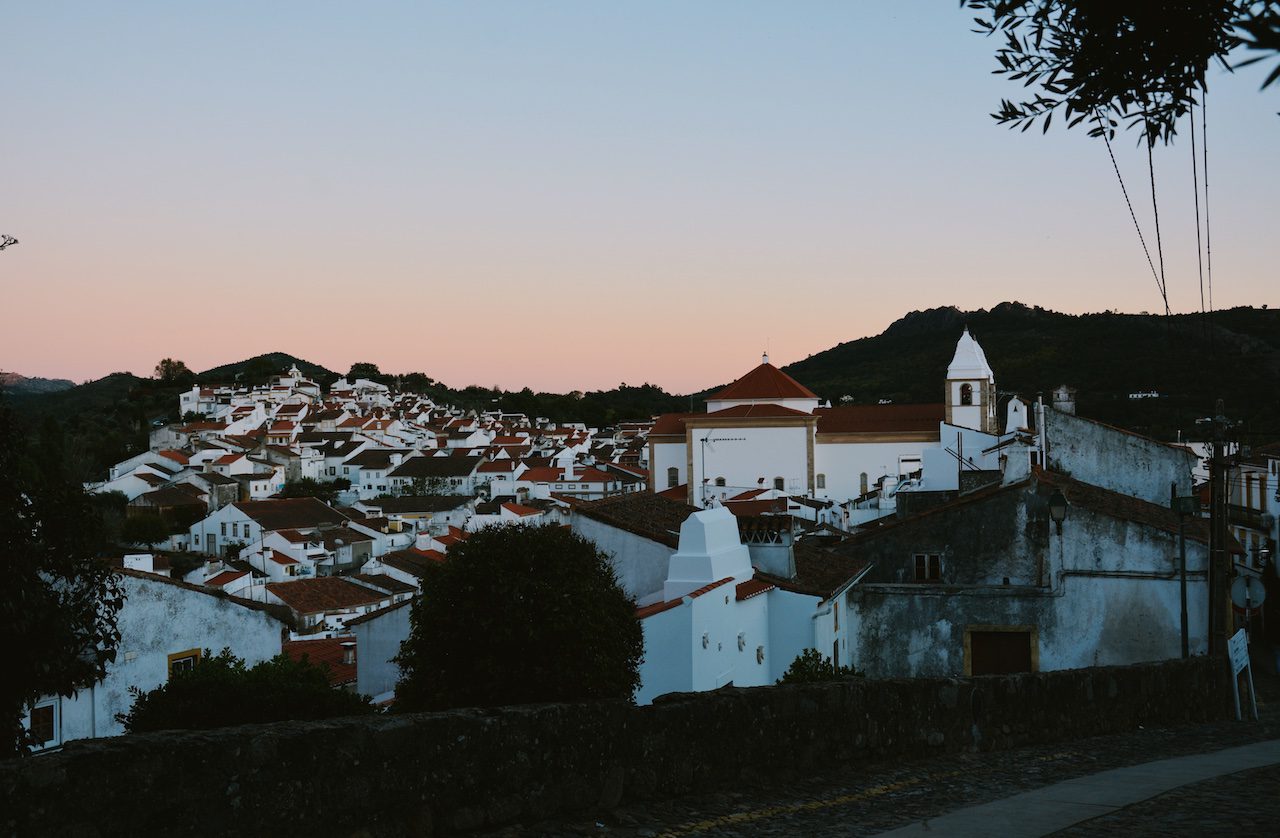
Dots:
(1047, 810)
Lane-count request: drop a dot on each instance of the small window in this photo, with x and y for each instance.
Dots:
(966, 394)
(928, 567)
(862, 482)
(821, 481)
(673, 477)
(183, 661)
(779, 483)
(224, 529)
(44, 725)
(719, 481)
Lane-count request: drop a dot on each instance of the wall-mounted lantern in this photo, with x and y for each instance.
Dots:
(1058, 509)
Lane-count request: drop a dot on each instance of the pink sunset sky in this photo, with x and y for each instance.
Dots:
(563, 195)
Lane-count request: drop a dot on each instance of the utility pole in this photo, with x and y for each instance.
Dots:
(1219, 614)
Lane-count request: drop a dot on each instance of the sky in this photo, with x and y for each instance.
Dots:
(564, 195)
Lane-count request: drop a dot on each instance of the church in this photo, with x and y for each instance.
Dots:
(767, 435)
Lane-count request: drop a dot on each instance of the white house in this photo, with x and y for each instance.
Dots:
(165, 625)
(717, 622)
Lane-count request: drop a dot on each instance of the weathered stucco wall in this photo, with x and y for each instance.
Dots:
(446, 772)
(1114, 459)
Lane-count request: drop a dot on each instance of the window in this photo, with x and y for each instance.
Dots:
(862, 482)
(779, 483)
(224, 529)
(928, 567)
(966, 394)
(821, 481)
(673, 477)
(719, 481)
(183, 661)
(44, 726)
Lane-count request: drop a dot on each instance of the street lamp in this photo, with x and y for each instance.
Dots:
(1058, 508)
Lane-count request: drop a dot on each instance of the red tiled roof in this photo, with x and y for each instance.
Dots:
(765, 382)
(753, 587)
(328, 652)
(879, 418)
(522, 511)
(325, 593)
(680, 493)
(671, 424)
(176, 456)
(659, 607)
(280, 558)
(748, 508)
(224, 577)
(754, 411)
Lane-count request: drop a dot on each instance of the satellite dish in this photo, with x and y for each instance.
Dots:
(1247, 593)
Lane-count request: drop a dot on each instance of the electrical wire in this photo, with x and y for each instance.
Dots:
(1129, 203)
(1155, 208)
(1195, 185)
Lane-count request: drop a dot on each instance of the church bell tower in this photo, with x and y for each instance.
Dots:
(971, 388)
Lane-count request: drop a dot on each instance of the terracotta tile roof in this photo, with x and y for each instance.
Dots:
(748, 508)
(650, 516)
(880, 418)
(753, 411)
(415, 467)
(290, 513)
(327, 652)
(765, 382)
(324, 594)
(676, 493)
(176, 456)
(753, 587)
(387, 583)
(281, 559)
(659, 607)
(671, 424)
(522, 511)
(224, 577)
(414, 562)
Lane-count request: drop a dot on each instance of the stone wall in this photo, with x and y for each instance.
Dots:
(455, 771)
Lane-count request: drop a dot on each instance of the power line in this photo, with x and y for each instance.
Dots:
(1208, 238)
(1195, 185)
(1155, 208)
(1128, 203)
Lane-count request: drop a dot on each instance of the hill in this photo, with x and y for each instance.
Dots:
(258, 369)
(1232, 354)
(14, 383)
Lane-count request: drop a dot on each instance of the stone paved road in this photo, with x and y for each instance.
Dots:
(1247, 803)
(870, 799)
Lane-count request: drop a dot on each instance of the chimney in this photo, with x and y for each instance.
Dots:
(1064, 399)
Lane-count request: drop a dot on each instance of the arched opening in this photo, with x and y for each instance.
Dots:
(719, 481)
(779, 484)
(862, 483)
(821, 481)
(966, 394)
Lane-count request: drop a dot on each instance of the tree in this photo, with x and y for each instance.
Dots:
(309, 487)
(58, 603)
(220, 691)
(518, 615)
(1143, 61)
(169, 371)
(811, 666)
(148, 529)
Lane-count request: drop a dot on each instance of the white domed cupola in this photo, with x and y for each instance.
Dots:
(971, 388)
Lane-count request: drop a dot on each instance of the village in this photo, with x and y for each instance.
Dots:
(986, 533)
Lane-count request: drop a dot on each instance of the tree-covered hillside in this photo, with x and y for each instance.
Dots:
(1190, 361)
